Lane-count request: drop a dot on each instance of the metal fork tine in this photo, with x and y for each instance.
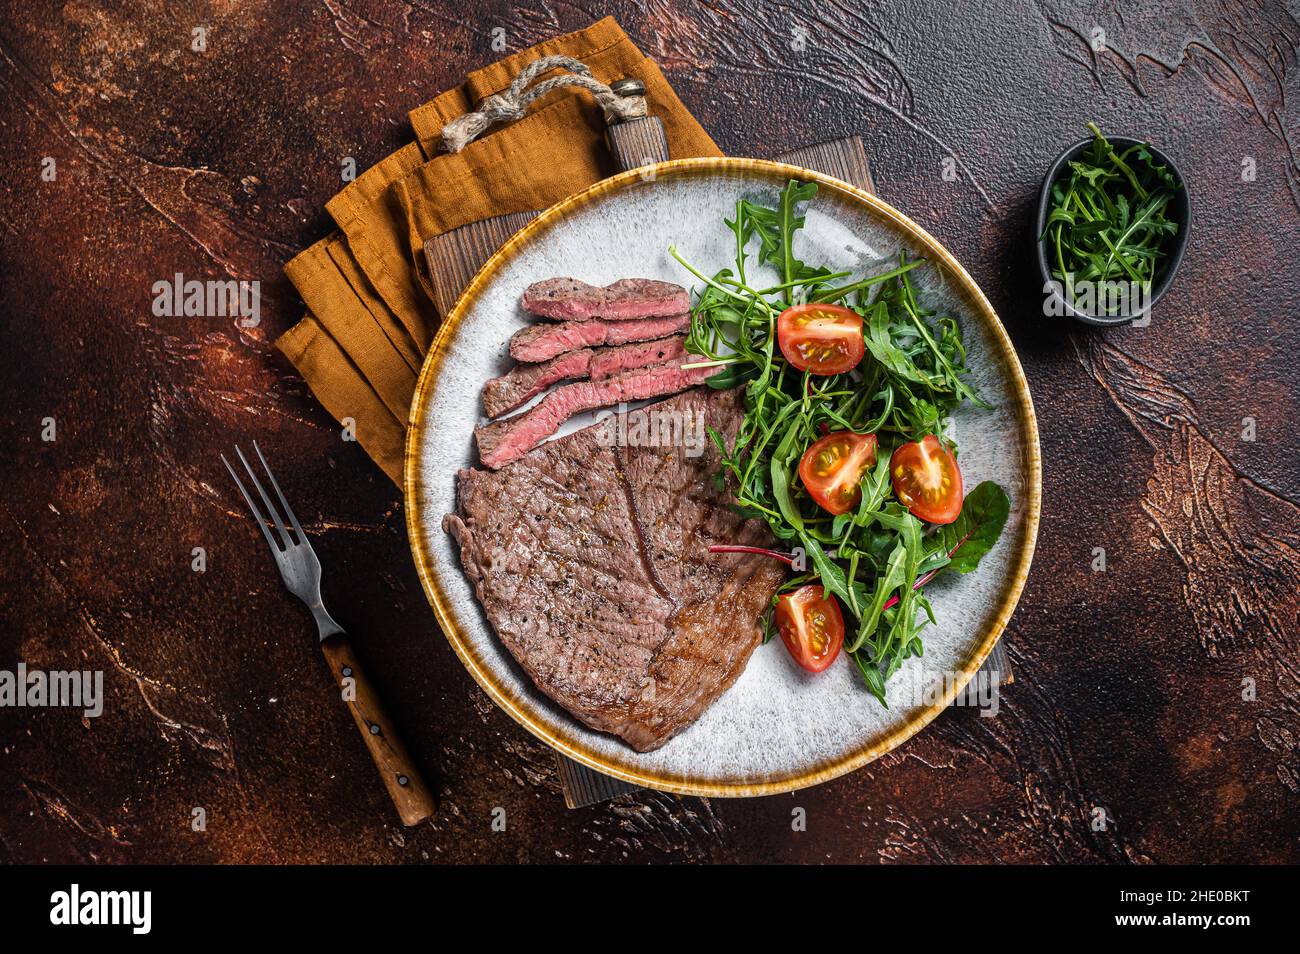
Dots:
(257, 514)
(275, 514)
(302, 537)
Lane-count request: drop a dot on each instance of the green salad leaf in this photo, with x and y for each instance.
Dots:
(975, 530)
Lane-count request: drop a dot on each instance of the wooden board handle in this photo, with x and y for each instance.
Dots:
(637, 142)
(412, 797)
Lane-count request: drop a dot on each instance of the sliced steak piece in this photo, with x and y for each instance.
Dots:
(523, 382)
(608, 362)
(503, 442)
(542, 342)
(591, 562)
(568, 299)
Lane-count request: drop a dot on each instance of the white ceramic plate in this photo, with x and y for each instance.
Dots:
(777, 728)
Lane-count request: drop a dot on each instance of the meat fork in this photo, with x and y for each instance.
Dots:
(300, 569)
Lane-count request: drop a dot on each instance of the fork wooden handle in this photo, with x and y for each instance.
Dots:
(412, 797)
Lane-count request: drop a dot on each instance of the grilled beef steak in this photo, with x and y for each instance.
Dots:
(567, 299)
(502, 442)
(591, 561)
(608, 362)
(545, 341)
(525, 381)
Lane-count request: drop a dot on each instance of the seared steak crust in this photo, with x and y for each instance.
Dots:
(608, 362)
(591, 561)
(567, 299)
(525, 381)
(543, 341)
(501, 442)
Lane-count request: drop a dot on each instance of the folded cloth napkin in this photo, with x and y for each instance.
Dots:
(369, 319)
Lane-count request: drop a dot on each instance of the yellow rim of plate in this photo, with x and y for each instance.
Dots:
(567, 743)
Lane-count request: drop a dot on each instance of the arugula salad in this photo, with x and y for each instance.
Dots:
(843, 450)
(1109, 220)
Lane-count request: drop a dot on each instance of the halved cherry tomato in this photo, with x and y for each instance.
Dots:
(926, 480)
(823, 339)
(811, 626)
(832, 468)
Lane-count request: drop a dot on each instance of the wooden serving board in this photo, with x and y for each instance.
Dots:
(454, 258)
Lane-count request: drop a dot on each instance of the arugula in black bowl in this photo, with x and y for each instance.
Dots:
(1112, 227)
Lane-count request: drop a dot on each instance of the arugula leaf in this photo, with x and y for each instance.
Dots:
(879, 341)
(831, 573)
(872, 677)
(894, 576)
(792, 194)
(775, 229)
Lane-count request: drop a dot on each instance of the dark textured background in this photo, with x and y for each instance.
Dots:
(1128, 690)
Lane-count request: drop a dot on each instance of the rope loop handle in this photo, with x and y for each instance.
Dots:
(514, 102)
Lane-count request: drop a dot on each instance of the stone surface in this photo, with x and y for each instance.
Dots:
(1128, 692)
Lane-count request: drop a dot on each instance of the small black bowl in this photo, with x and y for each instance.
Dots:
(1180, 209)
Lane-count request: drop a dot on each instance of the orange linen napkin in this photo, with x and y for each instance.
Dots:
(369, 321)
